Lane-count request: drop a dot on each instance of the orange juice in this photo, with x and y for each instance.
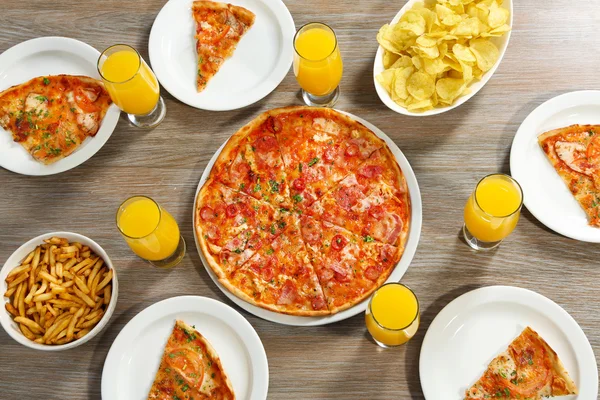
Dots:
(317, 62)
(392, 317)
(492, 211)
(130, 82)
(148, 229)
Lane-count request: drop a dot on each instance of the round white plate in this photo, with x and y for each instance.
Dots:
(409, 250)
(134, 357)
(545, 194)
(475, 86)
(50, 56)
(475, 327)
(260, 62)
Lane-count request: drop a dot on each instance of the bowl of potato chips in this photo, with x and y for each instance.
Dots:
(59, 289)
(436, 55)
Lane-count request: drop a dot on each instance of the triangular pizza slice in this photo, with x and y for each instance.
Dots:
(528, 369)
(219, 28)
(574, 152)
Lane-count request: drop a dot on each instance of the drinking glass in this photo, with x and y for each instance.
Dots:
(392, 316)
(318, 64)
(492, 211)
(132, 85)
(150, 231)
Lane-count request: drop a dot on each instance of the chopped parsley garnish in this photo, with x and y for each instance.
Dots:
(297, 198)
(242, 186)
(281, 224)
(212, 375)
(55, 151)
(237, 251)
(284, 210)
(46, 81)
(269, 252)
(530, 362)
(46, 135)
(73, 110)
(41, 98)
(313, 161)
(257, 187)
(368, 239)
(507, 392)
(300, 167)
(167, 369)
(274, 186)
(171, 355)
(273, 229)
(184, 388)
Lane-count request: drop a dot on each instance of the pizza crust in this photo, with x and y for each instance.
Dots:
(226, 157)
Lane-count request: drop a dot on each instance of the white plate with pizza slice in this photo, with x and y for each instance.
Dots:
(259, 63)
(134, 357)
(41, 57)
(475, 327)
(545, 194)
(395, 276)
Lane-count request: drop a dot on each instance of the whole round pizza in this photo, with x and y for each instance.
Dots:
(305, 212)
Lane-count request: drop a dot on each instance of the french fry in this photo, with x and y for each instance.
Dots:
(51, 251)
(94, 272)
(13, 311)
(87, 268)
(85, 254)
(27, 259)
(9, 292)
(32, 325)
(13, 274)
(36, 258)
(26, 332)
(80, 265)
(84, 297)
(57, 241)
(66, 256)
(51, 309)
(29, 297)
(69, 249)
(22, 277)
(43, 297)
(15, 298)
(81, 284)
(92, 322)
(82, 333)
(107, 294)
(67, 284)
(58, 289)
(56, 327)
(94, 286)
(69, 264)
(42, 288)
(71, 328)
(36, 318)
(59, 270)
(48, 277)
(22, 299)
(105, 281)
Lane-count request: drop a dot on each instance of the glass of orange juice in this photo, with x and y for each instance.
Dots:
(392, 316)
(492, 211)
(318, 64)
(132, 85)
(150, 231)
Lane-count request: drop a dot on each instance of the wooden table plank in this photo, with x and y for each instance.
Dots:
(552, 51)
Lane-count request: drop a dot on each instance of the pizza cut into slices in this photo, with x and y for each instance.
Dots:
(190, 369)
(280, 277)
(349, 267)
(574, 152)
(528, 369)
(251, 163)
(372, 203)
(232, 226)
(51, 116)
(219, 28)
(319, 148)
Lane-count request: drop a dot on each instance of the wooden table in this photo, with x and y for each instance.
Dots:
(554, 49)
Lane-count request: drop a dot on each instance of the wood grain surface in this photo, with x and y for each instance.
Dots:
(554, 49)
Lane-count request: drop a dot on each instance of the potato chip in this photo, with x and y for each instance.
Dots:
(463, 53)
(485, 52)
(437, 49)
(389, 59)
(401, 76)
(420, 85)
(449, 88)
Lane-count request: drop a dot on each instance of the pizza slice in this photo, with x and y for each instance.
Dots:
(51, 116)
(372, 203)
(319, 148)
(574, 152)
(232, 226)
(190, 369)
(280, 277)
(219, 28)
(528, 369)
(349, 267)
(251, 163)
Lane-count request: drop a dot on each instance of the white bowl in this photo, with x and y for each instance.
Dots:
(475, 86)
(15, 259)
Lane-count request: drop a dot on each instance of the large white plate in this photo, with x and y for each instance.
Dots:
(409, 251)
(50, 56)
(475, 86)
(545, 194)
(470, 331)
(135, 355)
(260, 62)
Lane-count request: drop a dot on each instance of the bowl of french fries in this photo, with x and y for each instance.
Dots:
(59, 289)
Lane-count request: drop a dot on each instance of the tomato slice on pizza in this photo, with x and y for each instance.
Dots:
(528, 369)
(190, 369)
(219, 28)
